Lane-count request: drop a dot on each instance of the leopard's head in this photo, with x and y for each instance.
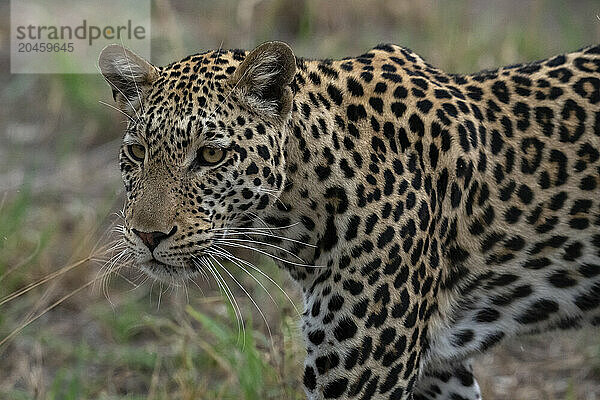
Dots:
(203, 150)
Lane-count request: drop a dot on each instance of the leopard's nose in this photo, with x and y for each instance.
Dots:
(152, 239)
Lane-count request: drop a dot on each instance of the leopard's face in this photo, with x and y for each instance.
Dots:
(202, 155)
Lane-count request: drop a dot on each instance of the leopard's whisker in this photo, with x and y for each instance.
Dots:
(255, 228)
(134, 121)
(129, 281)
(248, 295)
(200, 270)
(203, 274)
(233, 244)
(237, 261)
(272, 195)
(114, 259)
(115, 265)
(237, 264)
(225, 288)
(139, 279)
(258, 218)
(132, 77)
(118, 109)
(160, 293)
(230, 92)
(274, 246)
(234, 233)
(183, 284)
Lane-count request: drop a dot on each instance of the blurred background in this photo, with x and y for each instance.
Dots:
(60, 189)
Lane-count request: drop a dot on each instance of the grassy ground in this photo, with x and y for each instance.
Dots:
(59, 188)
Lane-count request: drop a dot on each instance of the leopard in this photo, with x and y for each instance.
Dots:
(426, 216)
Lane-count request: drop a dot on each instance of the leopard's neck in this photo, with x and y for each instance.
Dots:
(315, 189)
(340, 165)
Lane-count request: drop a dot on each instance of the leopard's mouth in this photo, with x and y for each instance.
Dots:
(169, 273)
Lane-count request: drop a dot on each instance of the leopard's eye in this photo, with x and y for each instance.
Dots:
(137, 152)
(208, 156)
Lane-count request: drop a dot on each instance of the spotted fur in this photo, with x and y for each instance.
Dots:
(447, 212)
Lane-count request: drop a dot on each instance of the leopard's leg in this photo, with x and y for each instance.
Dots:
(448, 382)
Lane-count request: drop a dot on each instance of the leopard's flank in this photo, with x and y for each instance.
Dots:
(427, 216)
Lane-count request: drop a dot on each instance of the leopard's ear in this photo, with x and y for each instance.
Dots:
(263, 78)
(129, 76)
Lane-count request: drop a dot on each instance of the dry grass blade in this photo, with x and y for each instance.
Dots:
(22, 263)
(47, 278)
(44, 311)
(94, 256)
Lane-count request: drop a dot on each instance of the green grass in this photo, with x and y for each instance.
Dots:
(195, 355)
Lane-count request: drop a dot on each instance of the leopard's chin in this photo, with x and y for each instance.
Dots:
(168, 273)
